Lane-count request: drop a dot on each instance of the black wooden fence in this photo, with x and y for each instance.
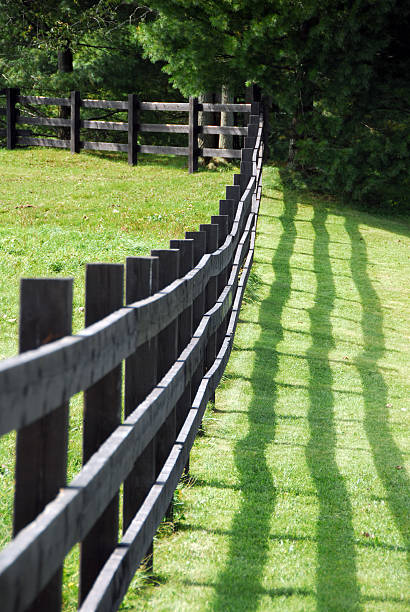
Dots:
(15, 116)
(174, 335)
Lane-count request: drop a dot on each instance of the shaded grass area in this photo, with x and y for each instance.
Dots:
(298, 497)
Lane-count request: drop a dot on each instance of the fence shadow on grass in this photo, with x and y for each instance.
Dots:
(336, 577)
(388, 459)
(239, 585)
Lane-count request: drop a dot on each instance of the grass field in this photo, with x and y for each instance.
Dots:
(299, 491)
(298, 498)
(60, 211)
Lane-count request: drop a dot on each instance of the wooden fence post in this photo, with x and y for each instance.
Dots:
(140, 379)
(41, 454)
(185, 320)
(133, 124)
(193, 135)
(199, 239)
(167, 352)
(102, 414)
(222, 221)
(75, 103)
(12, 94)
(211, 293)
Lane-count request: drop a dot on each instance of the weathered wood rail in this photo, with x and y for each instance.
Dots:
(16, 115)
(174, 335)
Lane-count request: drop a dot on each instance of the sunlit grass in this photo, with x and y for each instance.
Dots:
(60, 211)
(299, 496)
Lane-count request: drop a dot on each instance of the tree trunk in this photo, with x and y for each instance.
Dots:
(225, 140)
(65, 64)
(209, 141)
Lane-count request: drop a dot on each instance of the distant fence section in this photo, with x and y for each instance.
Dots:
(174, 336)
(16, 114)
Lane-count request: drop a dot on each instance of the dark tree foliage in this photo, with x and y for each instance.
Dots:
(337, 72)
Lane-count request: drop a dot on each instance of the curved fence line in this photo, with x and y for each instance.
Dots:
(161, 424)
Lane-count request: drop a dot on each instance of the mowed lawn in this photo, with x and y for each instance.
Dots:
(299, 489)
(298, 496)
(60, 211)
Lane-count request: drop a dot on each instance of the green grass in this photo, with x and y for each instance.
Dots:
(60, 211)
(299, 491)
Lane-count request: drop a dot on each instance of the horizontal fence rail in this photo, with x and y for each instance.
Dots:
(18, 107)
(175, 335)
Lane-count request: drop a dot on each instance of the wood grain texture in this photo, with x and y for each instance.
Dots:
(228, 153)
(167, 128)
(104, 146)
(160, 150)
(104, 293)
(41, 449)
(44, 100)
(118, 126)
(167, 352)
(53, 121)
(140, 378)
(221, 129)
(117, 104)
(217, 108)
(43, 142)
(165, 106)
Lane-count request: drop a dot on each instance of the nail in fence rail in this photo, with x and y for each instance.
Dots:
(104, 294)
(87, 509)
(41, 451)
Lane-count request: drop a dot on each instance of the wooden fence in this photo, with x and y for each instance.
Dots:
(174, 335)
(15, 115)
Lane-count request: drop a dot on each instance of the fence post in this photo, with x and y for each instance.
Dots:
(12, 94)
(102, 414)
(211, 293)
(133, 124)
(185, 329)
(222, 221)
(140, 379)
(41, 453)
(199, 239)
(193, 135)
(167, 352)
(75, 103)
